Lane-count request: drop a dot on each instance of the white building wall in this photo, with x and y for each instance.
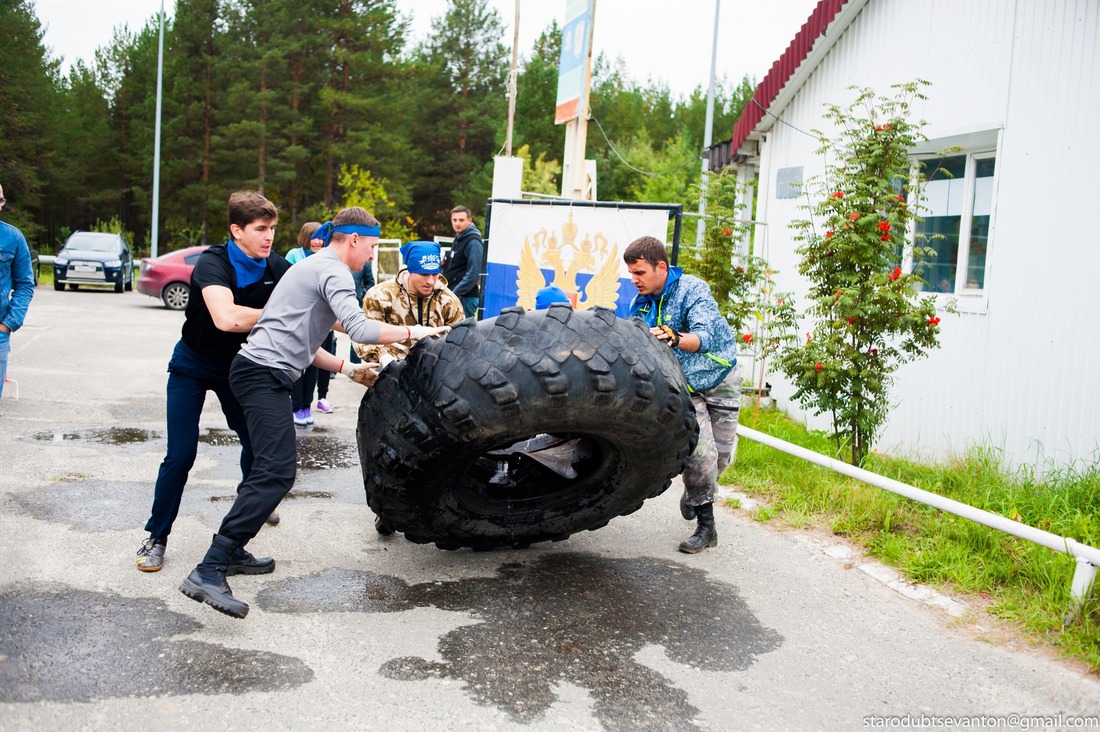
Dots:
(1019, 368)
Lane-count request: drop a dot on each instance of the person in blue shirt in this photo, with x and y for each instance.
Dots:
(313, 378)
(682, 314)
(16, 286)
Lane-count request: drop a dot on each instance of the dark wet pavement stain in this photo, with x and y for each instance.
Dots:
(104, 436)
(91, 505)
(62, 645)
(574, 618)
(103, 505)
(317, 450)
(292, 496)
(322, 452)
(328, 470)
(219, 437)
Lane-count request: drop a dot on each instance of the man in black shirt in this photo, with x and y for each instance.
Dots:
(463, 266)
(230, 285)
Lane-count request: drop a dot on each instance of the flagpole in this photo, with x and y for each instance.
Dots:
(154, 238)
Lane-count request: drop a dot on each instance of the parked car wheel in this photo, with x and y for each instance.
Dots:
(525, 427)
(58, 285)
(120, 285)
(168, 276)
(175, 296)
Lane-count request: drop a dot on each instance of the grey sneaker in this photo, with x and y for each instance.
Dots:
(150, 557)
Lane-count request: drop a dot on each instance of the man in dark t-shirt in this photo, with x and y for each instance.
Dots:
(230, 285)
(462, 270)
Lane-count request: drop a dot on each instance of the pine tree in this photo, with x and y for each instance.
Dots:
(461, 105)
(28, 98)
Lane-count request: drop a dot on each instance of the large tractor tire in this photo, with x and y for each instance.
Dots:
(526, 427)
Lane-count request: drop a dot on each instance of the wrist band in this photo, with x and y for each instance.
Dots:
(410, 330)
(341, 365)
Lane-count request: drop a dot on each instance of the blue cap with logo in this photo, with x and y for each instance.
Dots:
(421, 257)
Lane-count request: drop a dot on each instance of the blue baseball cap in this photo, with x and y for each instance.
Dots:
(549, 295)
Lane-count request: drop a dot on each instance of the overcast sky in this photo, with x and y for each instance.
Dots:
(656, 43)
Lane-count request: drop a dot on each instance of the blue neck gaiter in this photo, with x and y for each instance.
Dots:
(248, 270)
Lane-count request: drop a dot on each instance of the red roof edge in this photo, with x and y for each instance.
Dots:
(783, 69)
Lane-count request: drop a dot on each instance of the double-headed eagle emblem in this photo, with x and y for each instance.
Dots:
(589, 255)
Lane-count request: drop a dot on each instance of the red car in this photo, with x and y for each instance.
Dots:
(169, 276)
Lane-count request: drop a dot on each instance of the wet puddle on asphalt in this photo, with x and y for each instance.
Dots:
(292, 496)
(564, 618)
(317, 450)
(65, 645)
(321, 452)
(573, 618)
(101, 436)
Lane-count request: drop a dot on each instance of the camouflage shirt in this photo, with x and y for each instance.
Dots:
(391, 302)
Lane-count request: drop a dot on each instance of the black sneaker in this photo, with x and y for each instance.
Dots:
(150, 557)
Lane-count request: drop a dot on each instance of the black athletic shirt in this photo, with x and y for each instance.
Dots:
(214, 268)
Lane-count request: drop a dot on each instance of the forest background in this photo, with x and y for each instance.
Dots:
(313, 102)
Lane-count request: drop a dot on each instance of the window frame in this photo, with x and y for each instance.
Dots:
(966, 299)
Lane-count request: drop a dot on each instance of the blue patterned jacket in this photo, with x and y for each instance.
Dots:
(687, 306)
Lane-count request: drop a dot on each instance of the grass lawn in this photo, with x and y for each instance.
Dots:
(1023, 583)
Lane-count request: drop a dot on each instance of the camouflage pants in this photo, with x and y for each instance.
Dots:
(717, 411)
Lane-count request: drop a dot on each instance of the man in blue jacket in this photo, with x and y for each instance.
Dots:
(16, 286)
(681, 313)
(462, 269)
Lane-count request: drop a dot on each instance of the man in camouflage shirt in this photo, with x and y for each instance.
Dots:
(417, 296)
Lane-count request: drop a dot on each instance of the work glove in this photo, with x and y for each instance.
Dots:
(416, 332)
(384, 360)
(361, 373)
(665, 333)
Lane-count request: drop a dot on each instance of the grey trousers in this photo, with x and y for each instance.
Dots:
(717, 410)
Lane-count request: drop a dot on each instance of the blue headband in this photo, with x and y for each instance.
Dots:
(327, 230)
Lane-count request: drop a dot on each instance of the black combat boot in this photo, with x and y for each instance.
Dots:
(686, 509)
(206, 583)
(244, 563)
(705, 534)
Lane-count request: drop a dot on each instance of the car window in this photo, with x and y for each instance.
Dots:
(92, 243)
(190, 259)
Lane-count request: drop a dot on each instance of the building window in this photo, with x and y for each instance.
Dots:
(958, 200)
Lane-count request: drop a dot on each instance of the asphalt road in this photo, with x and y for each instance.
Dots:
(612, 629)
